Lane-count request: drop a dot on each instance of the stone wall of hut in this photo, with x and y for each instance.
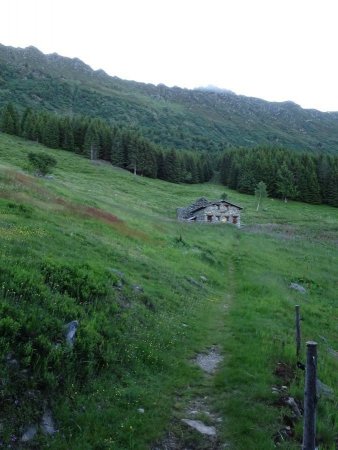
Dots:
(219, 214)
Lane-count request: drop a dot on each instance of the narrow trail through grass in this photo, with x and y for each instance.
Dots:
(197, 421)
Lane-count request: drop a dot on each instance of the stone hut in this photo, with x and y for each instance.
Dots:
(203, 210)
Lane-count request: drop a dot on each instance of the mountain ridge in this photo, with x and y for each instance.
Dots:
(171, 116)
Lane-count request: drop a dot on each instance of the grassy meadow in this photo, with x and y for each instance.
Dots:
(95, 244)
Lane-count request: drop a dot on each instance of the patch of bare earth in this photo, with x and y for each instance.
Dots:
(209, 360)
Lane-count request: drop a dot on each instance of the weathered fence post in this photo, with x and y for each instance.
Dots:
(310, 397)
(298, 338)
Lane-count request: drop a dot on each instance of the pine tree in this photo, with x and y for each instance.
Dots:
(10, 122)
(26, 122)
(131, 152)
(67, 134)
(29, 127)
(207, 169)
(332, 188)
(172, 167)
(105, 142)
(160, 165)
(308, 186)
(116, 155)
(91, 145)
(324, 164)
(51, 132)
(285, 183)
(80, 126)
(191, 170)
(246, 181)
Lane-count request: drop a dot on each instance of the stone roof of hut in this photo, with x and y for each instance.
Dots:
(202, 203)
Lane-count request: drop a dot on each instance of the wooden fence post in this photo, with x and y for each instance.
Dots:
(310, 397)
(298, 338)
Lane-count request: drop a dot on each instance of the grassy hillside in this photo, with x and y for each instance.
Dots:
(172, 117)
(95, 244)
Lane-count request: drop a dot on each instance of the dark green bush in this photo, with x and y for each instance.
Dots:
(80, 282)
(42, 162)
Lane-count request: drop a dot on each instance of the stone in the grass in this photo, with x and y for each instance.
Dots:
(298, 287)
(71, 329)
(200, 426)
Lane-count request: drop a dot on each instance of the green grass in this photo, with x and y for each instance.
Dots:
(63, 242)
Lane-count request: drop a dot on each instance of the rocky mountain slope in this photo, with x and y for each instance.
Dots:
(201, 119)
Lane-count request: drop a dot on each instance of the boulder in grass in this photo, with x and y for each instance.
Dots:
(298, 287)
(71, 329)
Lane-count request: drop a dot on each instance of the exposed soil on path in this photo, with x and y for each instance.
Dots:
(209, 361)
(198, 414)
(197, 426)
(198, 429)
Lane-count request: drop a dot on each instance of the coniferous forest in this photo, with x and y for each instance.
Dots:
(124, 147)
(307, 177)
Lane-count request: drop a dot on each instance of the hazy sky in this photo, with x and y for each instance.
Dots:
(273, 49)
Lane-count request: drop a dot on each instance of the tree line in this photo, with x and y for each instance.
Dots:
(289, 175)
(94, 138)
(304, 177)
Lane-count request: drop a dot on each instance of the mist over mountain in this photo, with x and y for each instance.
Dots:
(212, 88)
(207, 118)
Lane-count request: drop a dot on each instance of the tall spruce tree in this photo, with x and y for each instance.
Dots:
(10, 121)
(332, 188)
(91, 145)
(66, 134)
(117, 155)
(285, 183)
(51, 132)
(172, 167)
(307, 181)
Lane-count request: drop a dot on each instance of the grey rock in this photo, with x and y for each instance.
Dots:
(29, 433)
(124, 302)
(140, 410)
(298, 287)
(293, 405)
(137, 288)
(200, 427)
(194, 282)
(12, 362)
(119, 285)
(169, 442)
(71, 329)
(332, 352)
(203, 278)
(47, 423)
(323, 390)
(117, 272)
